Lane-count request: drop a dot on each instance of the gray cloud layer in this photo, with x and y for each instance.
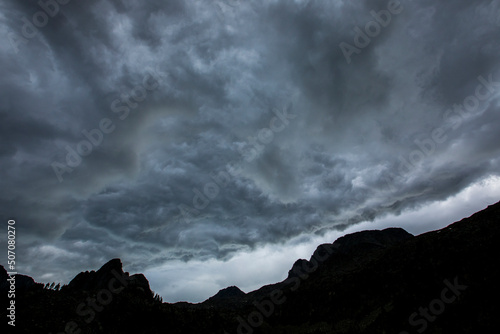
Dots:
(198, 86)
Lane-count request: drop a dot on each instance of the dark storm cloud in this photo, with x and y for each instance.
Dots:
(359, 142)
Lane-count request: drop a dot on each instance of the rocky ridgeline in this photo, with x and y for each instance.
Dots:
(367, 282)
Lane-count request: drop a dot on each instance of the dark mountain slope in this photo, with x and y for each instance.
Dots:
(368, 282)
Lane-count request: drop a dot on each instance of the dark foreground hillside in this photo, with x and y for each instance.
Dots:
(386, 281)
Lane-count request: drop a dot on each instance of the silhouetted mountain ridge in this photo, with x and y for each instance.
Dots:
(365, 282)
(354, 244)
(112, 270)
(226, 295)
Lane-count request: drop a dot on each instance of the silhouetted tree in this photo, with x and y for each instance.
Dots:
(158, 298)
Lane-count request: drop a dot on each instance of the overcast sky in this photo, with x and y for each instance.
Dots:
(212, 143)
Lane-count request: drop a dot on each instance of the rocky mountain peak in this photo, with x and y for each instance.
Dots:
(226, 293)
(110, 272)
(351, 244)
